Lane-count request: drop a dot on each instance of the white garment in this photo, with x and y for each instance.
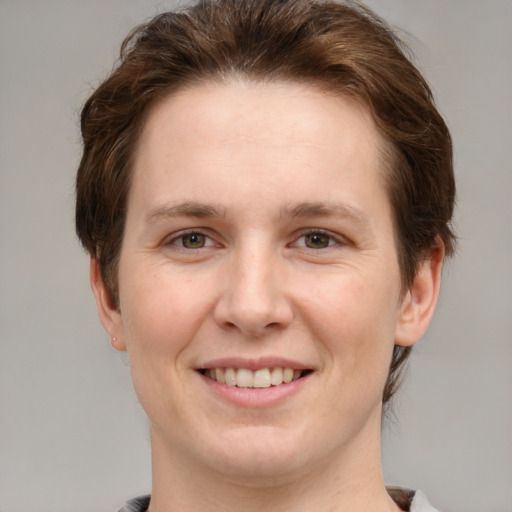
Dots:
(421, 504)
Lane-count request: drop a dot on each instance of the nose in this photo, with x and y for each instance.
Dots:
(254, 299)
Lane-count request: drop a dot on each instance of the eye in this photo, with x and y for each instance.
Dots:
(315, 240)
(193, 240)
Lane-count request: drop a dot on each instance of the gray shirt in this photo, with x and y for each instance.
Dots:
(418, 504)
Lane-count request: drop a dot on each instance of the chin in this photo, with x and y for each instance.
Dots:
(260, 456)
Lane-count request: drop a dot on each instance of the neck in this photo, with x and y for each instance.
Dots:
(350, 481)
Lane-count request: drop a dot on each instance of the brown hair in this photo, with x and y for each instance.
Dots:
(342, 47)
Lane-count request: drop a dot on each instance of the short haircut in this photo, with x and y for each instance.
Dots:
(341, 47)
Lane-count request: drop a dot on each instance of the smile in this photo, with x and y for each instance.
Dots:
(261, 378)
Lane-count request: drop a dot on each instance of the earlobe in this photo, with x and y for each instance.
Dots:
(108, 311)
(420, 301)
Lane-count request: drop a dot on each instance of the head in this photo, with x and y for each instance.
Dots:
(340, 48)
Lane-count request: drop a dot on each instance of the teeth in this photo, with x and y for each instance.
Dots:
(287, 375)
(262, 378)
(219, 376)
(277, 377)
(230, 377)
(244, 378)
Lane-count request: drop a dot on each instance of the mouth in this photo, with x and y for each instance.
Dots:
(259, 379)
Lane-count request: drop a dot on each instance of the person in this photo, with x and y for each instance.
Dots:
(265, 191)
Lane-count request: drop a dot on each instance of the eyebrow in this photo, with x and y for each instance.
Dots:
(187, 209)
(324, 209)
(300, 210)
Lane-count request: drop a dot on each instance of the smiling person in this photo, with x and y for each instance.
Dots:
(266, 191)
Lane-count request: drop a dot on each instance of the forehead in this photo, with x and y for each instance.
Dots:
(244, 132)
(302, 109)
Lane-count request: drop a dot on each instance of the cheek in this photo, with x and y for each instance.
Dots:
(161, 313)
(354, 318)
(161, 310)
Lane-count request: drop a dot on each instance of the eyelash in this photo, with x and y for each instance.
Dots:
(332, 240)
(183, 234)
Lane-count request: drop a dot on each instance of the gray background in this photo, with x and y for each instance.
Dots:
(72, 435)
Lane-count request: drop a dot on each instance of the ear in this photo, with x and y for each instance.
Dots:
(420, 301)
(109, 313)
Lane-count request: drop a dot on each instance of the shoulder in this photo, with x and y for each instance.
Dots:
(419, 503)
(139, 504)
(411, 501)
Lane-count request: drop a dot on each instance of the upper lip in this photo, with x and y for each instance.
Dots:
(254, 363)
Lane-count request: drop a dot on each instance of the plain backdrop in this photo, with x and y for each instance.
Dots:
(72, 436)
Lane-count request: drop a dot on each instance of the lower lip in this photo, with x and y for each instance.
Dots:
(255, 397)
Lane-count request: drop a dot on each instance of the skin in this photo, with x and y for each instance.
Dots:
(258, 226)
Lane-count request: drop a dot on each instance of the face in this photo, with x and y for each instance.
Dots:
(258, 279)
